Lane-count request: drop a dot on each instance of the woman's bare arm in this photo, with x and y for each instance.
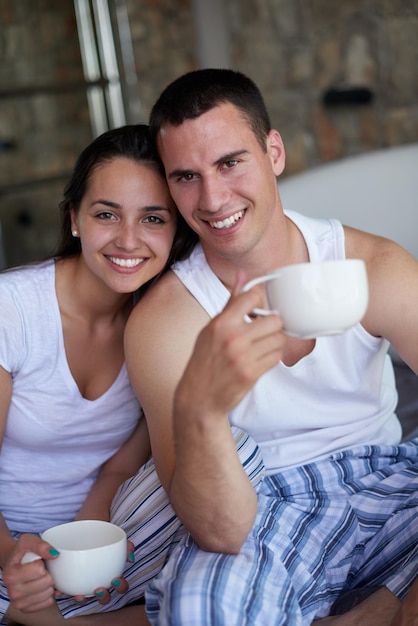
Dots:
(124, 464)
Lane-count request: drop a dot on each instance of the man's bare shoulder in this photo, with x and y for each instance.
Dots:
(375, 250)
(393, 291)
(167, 310)
(163, 297)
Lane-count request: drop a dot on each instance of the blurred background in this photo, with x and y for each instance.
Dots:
(340, 80)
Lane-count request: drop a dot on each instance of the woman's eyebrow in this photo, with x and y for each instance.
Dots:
(109, 203)
(152, 208)
(155, 207)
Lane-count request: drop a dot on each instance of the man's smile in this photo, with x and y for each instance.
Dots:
(227, 222)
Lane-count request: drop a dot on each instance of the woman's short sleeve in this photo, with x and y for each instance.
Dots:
(12, 331)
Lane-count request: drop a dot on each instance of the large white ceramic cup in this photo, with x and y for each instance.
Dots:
(316, 299)
(92, 554)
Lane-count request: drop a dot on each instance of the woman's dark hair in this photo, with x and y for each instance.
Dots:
(198, 92)
(131, 142)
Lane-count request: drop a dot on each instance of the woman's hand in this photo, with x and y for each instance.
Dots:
(121, 585)
(29, 585)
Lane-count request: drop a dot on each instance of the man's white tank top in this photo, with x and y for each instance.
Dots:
(341, 395)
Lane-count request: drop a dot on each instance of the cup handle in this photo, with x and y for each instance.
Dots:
(252, 283)
(264, 312)
(28, 557)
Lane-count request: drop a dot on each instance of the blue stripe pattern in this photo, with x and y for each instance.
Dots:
(342, 523)
(142, 508)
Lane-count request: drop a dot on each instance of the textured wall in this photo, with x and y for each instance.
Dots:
(41, 131)
(296, 50)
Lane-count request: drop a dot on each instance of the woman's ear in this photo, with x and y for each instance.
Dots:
(276, 151)
(73, 216)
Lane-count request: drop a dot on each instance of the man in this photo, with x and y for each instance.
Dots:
(408, 612)
(336, 509)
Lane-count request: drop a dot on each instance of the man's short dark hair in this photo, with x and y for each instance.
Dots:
(197, 92)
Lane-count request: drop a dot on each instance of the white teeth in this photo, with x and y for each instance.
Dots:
(126, 262)
(229, 221)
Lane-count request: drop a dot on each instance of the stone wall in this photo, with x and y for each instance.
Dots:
(299, 52)
(44, 120)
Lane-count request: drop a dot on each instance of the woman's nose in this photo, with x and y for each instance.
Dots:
(128, 237)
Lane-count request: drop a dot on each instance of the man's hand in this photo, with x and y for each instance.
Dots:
(230, 355)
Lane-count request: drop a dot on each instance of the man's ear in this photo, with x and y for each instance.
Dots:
(276, 151)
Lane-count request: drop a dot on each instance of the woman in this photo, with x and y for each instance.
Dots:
(70, 425)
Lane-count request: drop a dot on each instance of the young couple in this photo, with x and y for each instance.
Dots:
(333, 509)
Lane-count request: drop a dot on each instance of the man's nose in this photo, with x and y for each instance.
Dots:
(214, 194)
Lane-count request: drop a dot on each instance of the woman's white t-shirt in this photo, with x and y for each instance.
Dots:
(55, 440)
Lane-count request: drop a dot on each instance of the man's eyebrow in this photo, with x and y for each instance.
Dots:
(179, 173)
(230, 156)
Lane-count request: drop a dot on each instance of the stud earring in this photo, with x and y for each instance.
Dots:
(74, 233)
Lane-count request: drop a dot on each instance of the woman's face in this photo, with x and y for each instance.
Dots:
(126, 222)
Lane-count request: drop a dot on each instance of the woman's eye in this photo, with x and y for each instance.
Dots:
(153, 219)
(105, 215)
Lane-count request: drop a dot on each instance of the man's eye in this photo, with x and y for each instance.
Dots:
(187, 177)
(231, 163)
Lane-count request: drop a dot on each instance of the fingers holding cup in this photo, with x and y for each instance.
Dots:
(92, 554)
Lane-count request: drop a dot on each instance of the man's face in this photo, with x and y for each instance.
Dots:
(222, 181)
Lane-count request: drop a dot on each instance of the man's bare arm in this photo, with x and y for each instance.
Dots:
(186, 400)
(393, 282)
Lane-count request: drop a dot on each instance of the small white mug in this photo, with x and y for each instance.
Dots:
(316, 299)
(92, 554)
